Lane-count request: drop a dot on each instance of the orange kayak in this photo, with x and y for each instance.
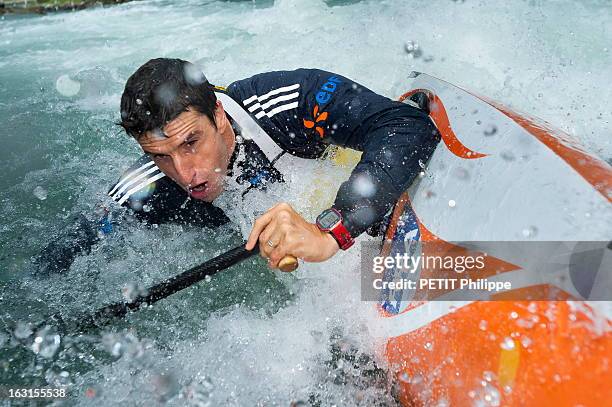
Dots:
(502, 176)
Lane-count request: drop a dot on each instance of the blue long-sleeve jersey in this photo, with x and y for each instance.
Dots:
(303, 112)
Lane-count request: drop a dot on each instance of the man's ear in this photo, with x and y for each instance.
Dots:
(220, 118)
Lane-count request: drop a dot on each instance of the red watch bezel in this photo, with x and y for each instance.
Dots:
(338, 230)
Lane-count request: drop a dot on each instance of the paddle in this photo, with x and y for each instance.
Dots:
(164, 289)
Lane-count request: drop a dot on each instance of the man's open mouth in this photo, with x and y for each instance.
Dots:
(199, 190)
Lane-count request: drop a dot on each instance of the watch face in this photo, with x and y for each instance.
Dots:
(328, 219)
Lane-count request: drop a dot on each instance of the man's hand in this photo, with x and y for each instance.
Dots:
(281, 231)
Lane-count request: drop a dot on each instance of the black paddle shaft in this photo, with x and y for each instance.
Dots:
(157, 292)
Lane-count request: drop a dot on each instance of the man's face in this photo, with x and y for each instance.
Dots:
(193, 152)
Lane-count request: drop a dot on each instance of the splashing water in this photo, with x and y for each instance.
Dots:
(247, 336)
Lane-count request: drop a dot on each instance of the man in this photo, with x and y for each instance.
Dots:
(194, 135)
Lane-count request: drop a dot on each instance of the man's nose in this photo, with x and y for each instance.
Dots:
(184, 170)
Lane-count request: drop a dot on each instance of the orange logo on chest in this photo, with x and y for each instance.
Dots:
(316, 118)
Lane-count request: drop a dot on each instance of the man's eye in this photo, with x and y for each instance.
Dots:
(159, 156)
(190, 143)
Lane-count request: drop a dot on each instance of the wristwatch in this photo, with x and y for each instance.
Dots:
(330, 221)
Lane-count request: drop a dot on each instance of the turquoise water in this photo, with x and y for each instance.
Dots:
(250, 336)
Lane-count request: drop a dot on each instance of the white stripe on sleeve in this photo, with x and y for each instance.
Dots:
(271, 93)
(135, 180)
(139, 186)
(131, 174)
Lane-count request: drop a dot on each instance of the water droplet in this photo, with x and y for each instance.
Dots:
(57, 379)
(158, 134)
(165, 94)
(530, 231)
(218, 170)
(131, 291)
(508, 343)
(46, 342)
(525, 323)
(428, 346)
(525, 341)
(532, 307)
(194, 75)
(491, 396)
(482, 325)
(513, 315)
(148, 113)
(66, 86)
(40, 193)
(452, 203)
(488, 376)
(127, 345)
(23, 330)
(413, 49)
(112, 343)
(208, 279)
(490, 130)
(364, 186)
(139, 102)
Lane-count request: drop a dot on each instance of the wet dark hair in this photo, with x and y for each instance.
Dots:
(162, 89)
